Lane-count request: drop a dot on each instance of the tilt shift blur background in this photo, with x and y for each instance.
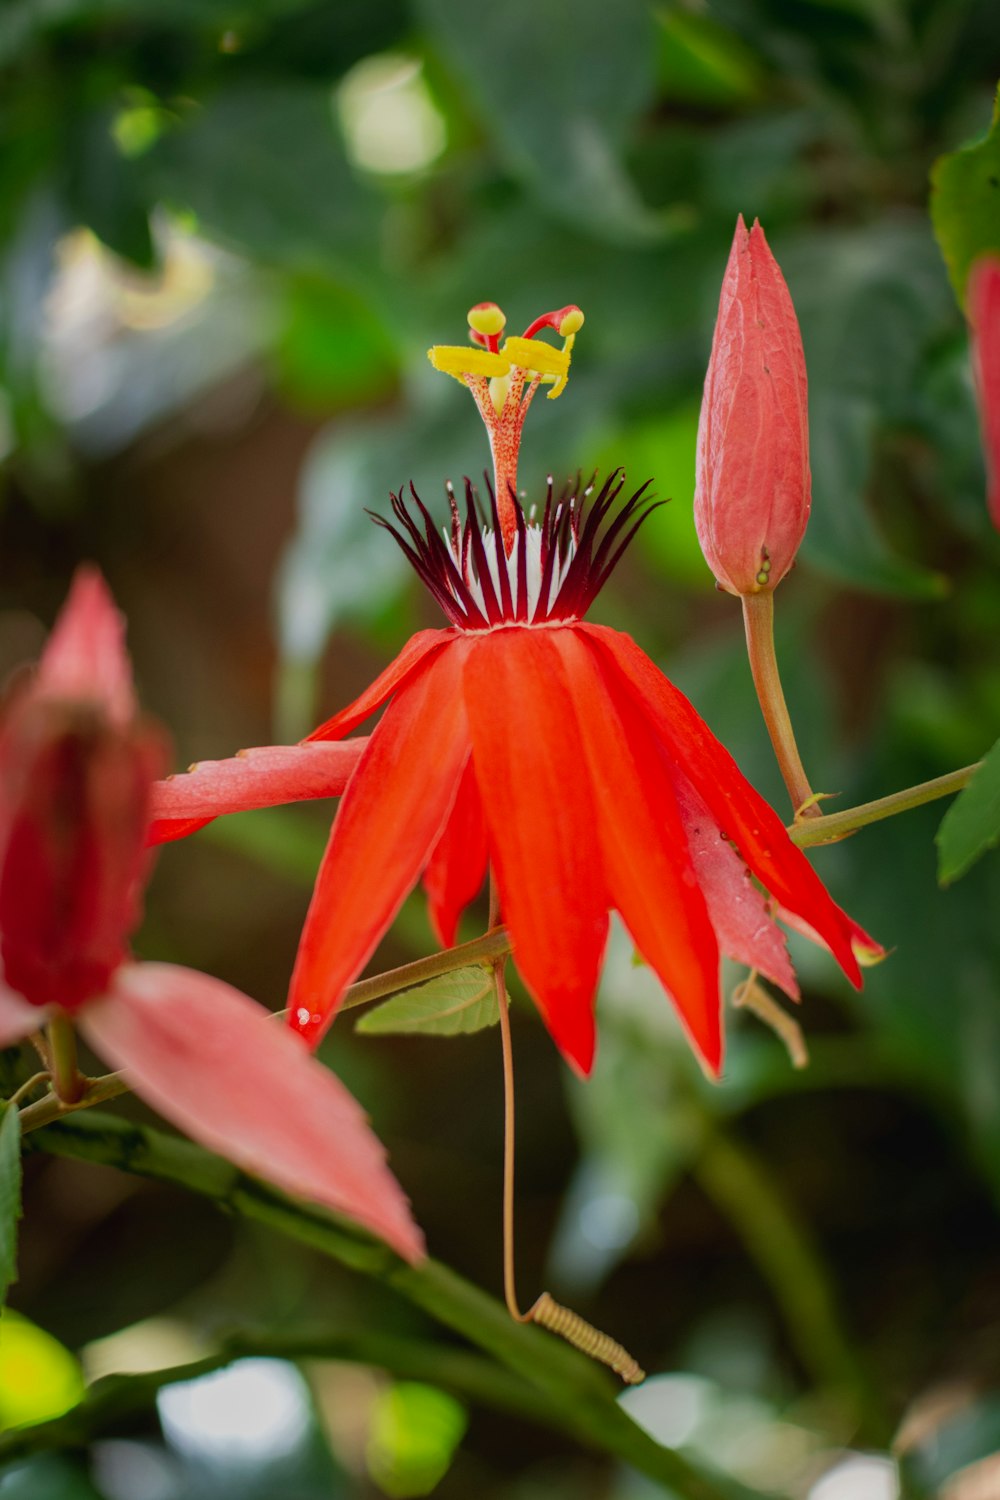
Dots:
(228, 234)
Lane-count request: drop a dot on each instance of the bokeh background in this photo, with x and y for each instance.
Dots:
(228, 234)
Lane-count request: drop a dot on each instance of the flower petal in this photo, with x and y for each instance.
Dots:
(221, 1067)
(262, 777)
(541, 827)
(388, 822)
(167, 830)
(741, 812)
(739, 910)
(650, 875)
(18, 1017)
(457, 866)
(84, 658)
(395, 675)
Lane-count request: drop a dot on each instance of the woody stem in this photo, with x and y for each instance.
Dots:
(758, 619)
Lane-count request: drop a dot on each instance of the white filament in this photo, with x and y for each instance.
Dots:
(496, 558)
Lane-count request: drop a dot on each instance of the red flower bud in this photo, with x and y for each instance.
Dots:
(984, 316)
(752, 494)
(77, 770)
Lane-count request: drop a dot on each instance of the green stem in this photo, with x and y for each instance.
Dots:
(838, 825)
(578, 1395)
(483, 950)
(92, 1091)
(758, 621)
(67, 1080)
(789, 1260)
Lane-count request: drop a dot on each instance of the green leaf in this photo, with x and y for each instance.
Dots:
(10, 1195)
(972, 823)
(106, 188)
(560, 124)
(263, 168)
(870, 303)
(701, 62)
(965, 203)
(455, 1004)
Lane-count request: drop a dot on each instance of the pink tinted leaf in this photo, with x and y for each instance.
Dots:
(18, 1018)
(231, 1076)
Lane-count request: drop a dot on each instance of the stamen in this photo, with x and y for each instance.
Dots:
(503, 382)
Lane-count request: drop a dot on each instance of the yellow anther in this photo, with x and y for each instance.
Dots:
(536, 357)
(571, 323)
(486, 318)
(467, 361)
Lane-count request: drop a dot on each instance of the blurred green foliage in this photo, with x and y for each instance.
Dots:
(213, 212)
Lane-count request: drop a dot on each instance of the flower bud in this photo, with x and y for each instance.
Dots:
(984, 316)
(752, 493)
(76, 771)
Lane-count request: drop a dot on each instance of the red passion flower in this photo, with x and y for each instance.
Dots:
(553, 751)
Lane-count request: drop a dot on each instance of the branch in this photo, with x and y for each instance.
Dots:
(577, 1397)
(838, 825)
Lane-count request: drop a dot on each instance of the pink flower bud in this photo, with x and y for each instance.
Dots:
(77, 769)
(984, 316)
(752, 494)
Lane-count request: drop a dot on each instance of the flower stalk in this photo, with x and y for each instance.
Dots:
(832, 827)
(758, 619)
(68, 1082)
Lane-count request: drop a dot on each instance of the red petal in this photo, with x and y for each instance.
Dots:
(984, 315)
(226, 1072)
(542, 832)
(743, 923)
(417, 648)
(85, 658)
(741, 813)
(391, 817)
(649, 872)
(457, 867)
(262, 777)
(166, 830)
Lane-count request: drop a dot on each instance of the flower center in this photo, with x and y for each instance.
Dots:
(498, 566)
(555, 568)
(504, 380)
